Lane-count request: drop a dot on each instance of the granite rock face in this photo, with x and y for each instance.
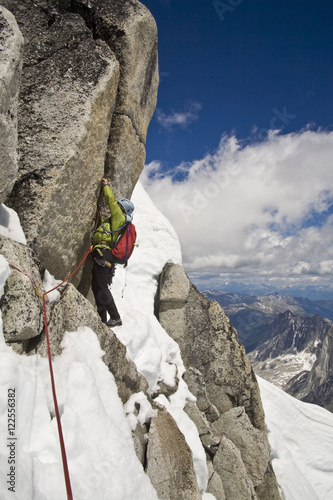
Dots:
(11, 46)
(229, 466)
(22, 315)
(251, 442)
(129, 30)
(209, 343)
(221, 378)
(169, 461)
(68, 93)
(88, 91)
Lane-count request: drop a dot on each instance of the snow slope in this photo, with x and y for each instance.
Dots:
(301, 440)
(97, 429)
(97, 434)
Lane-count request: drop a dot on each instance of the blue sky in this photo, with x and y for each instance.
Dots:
(232, 73)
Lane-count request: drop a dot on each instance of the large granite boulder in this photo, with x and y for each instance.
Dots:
(130, 30)
(22, 315)
(209, 343)
(11, 44)
(229, 466)
(89, 86)
(68, 92)
(251, 442)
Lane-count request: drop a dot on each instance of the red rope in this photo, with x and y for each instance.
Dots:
(30, 278)
(54, 394)
(69, 277)
(55, 401)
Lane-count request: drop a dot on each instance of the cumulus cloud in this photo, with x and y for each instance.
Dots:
(181, 118)
(253, 210)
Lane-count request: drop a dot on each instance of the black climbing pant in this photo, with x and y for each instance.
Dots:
(101, 279)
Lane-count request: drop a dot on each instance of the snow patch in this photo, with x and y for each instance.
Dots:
(283, 368)
(301, 440)
(49, 282)
(10, 225)
(144, 413)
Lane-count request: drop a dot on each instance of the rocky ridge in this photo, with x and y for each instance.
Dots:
(253, 315)
(230, 419)
(315, 385)
(87, 75)
(296, 355)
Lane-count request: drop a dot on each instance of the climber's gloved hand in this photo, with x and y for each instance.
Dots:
(104, 182)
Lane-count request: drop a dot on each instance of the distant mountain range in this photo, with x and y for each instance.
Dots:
(297, 355)
(312, 292)
(289, 341)
(252, 315)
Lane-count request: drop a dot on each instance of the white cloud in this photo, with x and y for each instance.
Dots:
(182, 119)
(249, 210)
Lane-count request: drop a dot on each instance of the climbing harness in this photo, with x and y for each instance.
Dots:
(55, 401)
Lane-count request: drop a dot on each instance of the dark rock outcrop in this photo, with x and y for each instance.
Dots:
(316, 386)
(290, 334)
(291, 337)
